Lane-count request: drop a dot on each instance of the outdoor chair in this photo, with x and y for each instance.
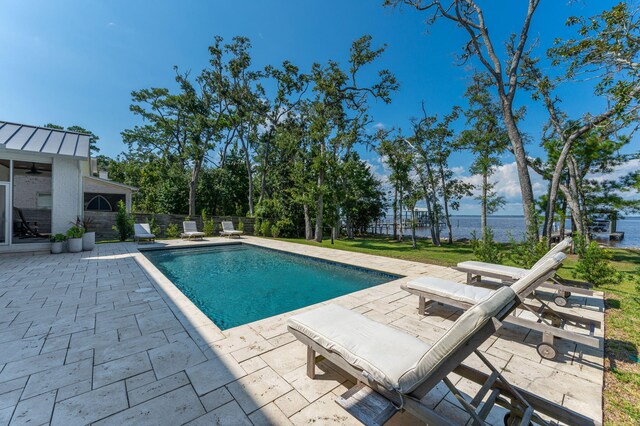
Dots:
(543, 318)
(142, 231)
(229, 231)
(508, 274)
(395, 370)
(27, 229)
(191, 230)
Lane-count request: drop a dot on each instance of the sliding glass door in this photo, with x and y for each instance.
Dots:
(4, 213)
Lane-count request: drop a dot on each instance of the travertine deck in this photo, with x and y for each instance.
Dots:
(93, 338)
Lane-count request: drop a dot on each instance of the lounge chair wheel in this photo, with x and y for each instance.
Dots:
(547, 351)
(560, 301)
(513, 420)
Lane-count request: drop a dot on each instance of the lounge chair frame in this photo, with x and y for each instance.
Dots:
(228, 230)
(191, 234)
(550, 323)
(147, 236)
(522, 404)
(562, 286)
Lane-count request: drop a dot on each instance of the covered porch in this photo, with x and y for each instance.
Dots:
(41, 173)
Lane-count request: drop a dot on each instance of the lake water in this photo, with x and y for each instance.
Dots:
(504, 226)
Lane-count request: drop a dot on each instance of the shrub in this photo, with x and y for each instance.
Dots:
(275, 231)
(593, 263)
(526, 253)
(257, 227)
(208, 226)
(265, 228)
(240, 225)
(173, 231)
(124, 222)
(153, 225)
(286, 228)
(486, 249)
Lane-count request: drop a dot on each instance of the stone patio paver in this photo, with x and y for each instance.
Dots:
(102, 337)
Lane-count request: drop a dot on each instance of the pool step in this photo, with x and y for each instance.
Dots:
(366, 405)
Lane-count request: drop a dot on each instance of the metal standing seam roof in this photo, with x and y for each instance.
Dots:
(22, 137)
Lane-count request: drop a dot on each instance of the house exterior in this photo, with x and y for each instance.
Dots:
(45, 177)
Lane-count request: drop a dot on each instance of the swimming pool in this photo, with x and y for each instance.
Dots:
(237, 284)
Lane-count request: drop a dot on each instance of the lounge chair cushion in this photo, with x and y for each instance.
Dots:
(142, 231)
(449, 289)
(511, 271)
(528, 283)
(492, 268)
(386, 355)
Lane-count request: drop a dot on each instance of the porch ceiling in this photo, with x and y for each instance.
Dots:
(22, 137)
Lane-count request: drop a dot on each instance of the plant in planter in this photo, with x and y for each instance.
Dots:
(89, 237)
(74, 235)
(57, 243)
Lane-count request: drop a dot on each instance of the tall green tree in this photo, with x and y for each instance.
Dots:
(338, 108)
(606, 50)
(486, 140)
(480, 46)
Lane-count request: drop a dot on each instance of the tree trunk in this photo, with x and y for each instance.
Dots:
(193, 184)
(563, 219)
(401, 215)
(308, 230)
(554, 187)
(435, 225)
(413, 226)
(395, 212)
(247, 161)
(445, 199)
(263, 174)
(320, 201)
(435, 241)
(483, 205)
(521, 163)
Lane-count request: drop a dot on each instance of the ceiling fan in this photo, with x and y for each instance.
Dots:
(34, 170)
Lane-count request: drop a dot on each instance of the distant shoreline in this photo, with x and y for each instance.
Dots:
(509, 215)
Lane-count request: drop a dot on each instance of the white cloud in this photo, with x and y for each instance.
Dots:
(379, 126)
(111, 24)
(620, 171)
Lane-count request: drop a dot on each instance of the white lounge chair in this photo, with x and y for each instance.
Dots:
(396, 370)
(545, 319)
(229, 231)
(191, 230)
(508, 274)
(142, 231)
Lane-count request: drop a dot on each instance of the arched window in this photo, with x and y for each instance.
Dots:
(99, 203)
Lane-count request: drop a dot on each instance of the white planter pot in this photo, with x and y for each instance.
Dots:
(74, 245)
(57, 247)
(88, 241)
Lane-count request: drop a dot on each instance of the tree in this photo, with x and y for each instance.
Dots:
(93, 138)
(413, 195)
(607, 51)
(487, 140)
(469, 16)
(338, 110)
(399, 160)
(433, 142)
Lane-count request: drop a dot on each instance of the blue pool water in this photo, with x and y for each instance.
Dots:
(238, 284)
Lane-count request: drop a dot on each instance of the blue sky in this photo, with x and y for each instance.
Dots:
(76, 61)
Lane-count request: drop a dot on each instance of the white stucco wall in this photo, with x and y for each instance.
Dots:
(67, 193)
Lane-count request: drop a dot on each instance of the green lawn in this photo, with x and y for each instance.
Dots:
(622, 317)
